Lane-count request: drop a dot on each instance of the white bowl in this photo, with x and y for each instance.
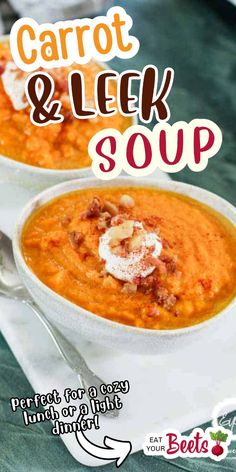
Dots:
(38, 178)
(74, 320)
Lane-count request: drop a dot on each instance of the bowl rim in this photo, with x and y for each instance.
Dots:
(92, 182)
(9, 162)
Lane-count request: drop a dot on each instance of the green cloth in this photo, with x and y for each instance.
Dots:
(34, 449)
(198, 41)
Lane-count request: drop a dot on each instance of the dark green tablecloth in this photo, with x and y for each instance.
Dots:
(196, 38)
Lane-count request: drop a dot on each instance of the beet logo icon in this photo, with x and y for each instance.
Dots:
(219, 438)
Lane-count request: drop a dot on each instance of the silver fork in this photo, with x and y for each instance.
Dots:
(12, 288)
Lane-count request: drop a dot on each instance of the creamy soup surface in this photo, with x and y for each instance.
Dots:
(55, 146)
(139, 256)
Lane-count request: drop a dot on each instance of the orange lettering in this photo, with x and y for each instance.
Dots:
(30, 31)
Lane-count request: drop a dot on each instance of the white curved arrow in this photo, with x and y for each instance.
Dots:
(115, 449)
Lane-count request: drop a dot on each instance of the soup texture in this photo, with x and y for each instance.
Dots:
(55, 146)
(135, 255)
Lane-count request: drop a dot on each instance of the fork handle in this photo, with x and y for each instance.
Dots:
(72, 357)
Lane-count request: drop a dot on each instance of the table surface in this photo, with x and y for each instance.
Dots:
(197, 38)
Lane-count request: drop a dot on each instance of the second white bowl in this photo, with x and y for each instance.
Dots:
(75, 321)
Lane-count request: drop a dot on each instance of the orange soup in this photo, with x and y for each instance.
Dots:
(139, 256)
(55, 146)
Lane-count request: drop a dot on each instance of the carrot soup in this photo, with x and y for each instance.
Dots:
(55, 146)
(139, 256)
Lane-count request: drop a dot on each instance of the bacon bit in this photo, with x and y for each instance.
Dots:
(171, 267)
(84, 255)
(165, 244)
(176, 313)
(75, 238)
(54, 242)
(170, 302)
(129, 288)
(165, 299)
(2, 69)
(94, 208)
(110, 207)
(138, 280)
(166, 259)
(148, 284)
(161, 295)
(206, 283)
(170, 263)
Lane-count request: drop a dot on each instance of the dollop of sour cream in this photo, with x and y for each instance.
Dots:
(133, 264)
(14, 85)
